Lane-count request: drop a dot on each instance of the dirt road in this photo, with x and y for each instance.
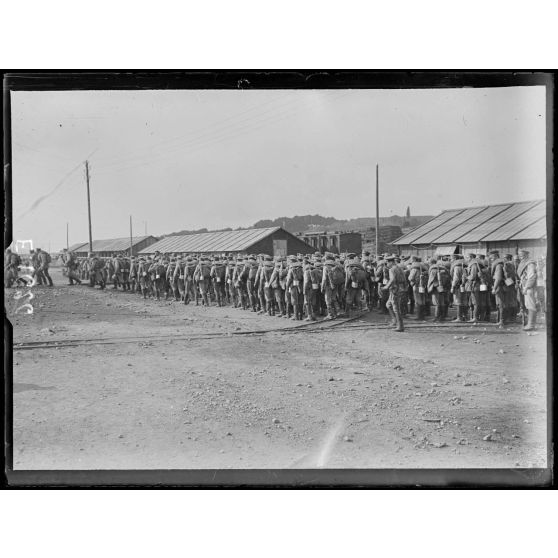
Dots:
(173, 386)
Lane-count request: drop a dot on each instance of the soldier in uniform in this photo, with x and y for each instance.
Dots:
(527, 273)
(436, 289)
(69, 260)
(473, 287)
(265, 284)
(295, 280)
(12, 261)
(217, 277)
(397, 287)
(382, 278)
(37, 276)
(44, 260)
(329, 289)
(458, 274)
(276, 281)
(499, 286)
(418, 281)
(510, 272)
(96, 267)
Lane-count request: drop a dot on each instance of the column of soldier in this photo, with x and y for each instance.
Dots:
(331, 285)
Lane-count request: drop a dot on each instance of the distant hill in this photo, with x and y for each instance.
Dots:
(297, 223)
(308, 223)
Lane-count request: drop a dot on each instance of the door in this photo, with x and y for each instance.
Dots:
(280, 248)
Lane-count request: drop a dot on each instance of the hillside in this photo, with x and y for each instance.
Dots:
(302, 223)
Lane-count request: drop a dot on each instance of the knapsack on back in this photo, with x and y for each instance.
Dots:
(48, 257)
(205, 271)
(337, 276)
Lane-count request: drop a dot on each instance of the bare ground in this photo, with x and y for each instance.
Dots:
(174, 386)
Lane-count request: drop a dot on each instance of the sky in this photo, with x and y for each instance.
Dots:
(212, 158)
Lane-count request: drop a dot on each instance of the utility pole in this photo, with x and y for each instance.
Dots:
(88, 205)
(131, 242)
(377, 214)
(67, 237)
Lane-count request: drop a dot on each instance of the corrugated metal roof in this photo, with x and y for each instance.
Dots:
(517, 225)
(536, 230)
(227, 241)
(499, 220)
(482, 216)
(489, 223)
(110, 244)
(425, 228)
(76, 247)
(434, 235)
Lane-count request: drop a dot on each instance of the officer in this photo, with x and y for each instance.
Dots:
(397, 287)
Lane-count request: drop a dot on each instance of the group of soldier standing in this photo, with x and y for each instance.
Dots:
(331, 285)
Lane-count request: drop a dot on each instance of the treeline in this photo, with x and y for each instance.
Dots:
(301, 223)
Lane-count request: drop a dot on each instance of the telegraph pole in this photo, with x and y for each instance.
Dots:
(131, 242)
(377, 214)
(88, 205)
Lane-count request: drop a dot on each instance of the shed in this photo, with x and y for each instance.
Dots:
(107, 247)
(274, 241)
(507, 227)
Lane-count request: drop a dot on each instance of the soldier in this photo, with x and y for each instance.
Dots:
(69, 260)
(37, 276)
(436, 289)
(133, 275)
(356, 282)
(382, 278)
(12, 261)
(143, 276)
(295, 285)
(473, 287)
(541, 285)
(329, 287)
(499, 286)
(189, 282)
(527, 273)
(397, 287)
(217, 276)
(252, 270)
(96, 267)
(115, 271)
(44, 260)
(240, 276)
(265, 282)
(458, 275)
(276, 282)
(418, 280)
(231, 290)
(317, 300)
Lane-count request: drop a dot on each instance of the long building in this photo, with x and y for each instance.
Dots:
(274, 241)
(507, 227)
(107, 247)
(335, 242)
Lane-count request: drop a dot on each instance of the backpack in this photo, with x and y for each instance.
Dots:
(48, 258)
(205, 271)
(337, 276)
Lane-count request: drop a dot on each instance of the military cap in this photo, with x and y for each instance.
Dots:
(494, 253)
(471, 255)
(509, 256)
(415, 258)
(390, 258)
(524, 251)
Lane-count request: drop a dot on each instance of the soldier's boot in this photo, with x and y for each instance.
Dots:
(457, 314)
(310, 310)
(393, 322)
(443, 312)
(532, 321)
(399, 320)
(474, 314)
(501, 318)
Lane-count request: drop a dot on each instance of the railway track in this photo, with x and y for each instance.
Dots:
(63, 343)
